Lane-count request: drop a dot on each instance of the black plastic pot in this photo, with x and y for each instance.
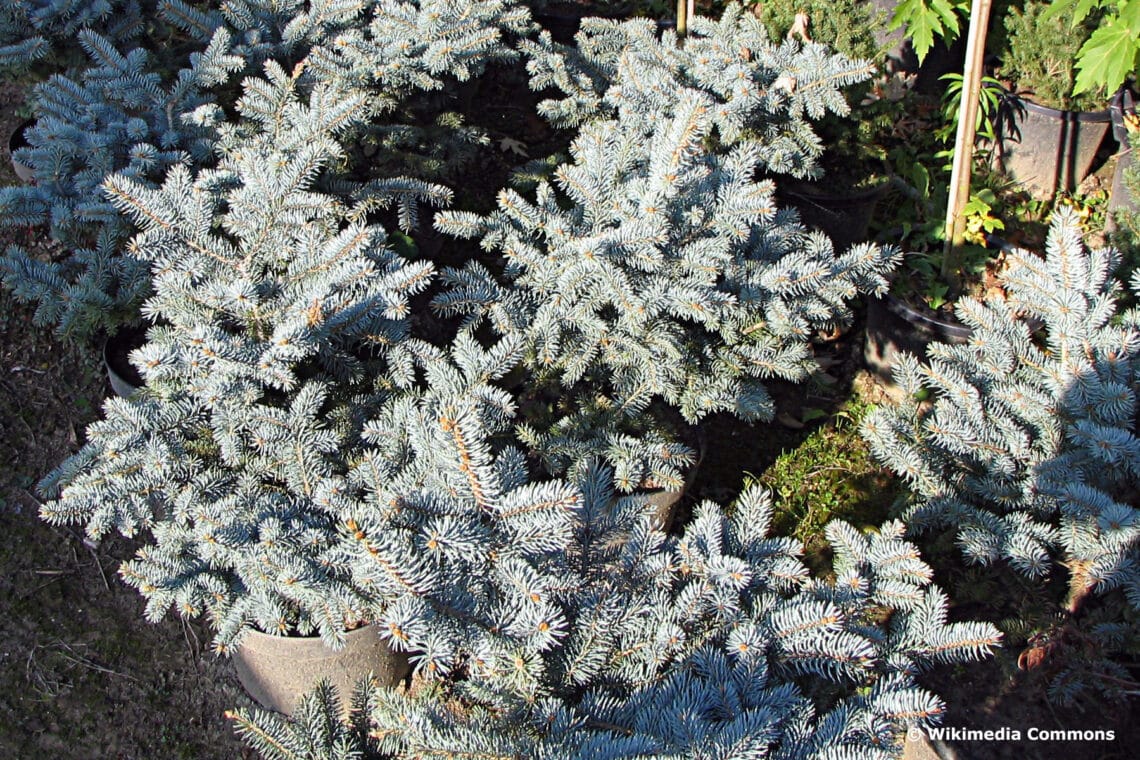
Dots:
(899, 55)
(1120, 199)
(845, 218)
(1044, 149)
(664, 502)
(561, 25)
(124, 378)
(563, 22)
(898, 52)
(893, 326)
(16, 141)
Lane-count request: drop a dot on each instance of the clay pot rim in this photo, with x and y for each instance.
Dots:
(364, 628)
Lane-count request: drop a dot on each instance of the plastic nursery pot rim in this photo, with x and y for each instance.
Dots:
(843, 217)
(894, 328)
(1046, 150)
(1087, 117)
(951, 328)
(130, 337)
(899, 307)
(809, 192)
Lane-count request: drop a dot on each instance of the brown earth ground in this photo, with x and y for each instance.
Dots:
(83, 676)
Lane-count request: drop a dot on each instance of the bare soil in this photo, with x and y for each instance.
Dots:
(82, 674)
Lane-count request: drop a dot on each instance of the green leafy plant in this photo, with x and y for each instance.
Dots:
(973, 258)
(928, 286)
(831, 475)
(989, 102)
(920, 168)
(925, 20)
(1090, 208)
(923, 233)
(1039, 53)
(1126, 235)
(1110, 54)
(980, 222)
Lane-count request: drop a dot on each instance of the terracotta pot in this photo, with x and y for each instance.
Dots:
(845, 218)
(16, 141)
(278, 670)
(893, 326)
(1044, 149)
(125, 379)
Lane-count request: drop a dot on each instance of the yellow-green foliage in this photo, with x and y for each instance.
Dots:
(1040, 55)
(831, 475)
(845, 26)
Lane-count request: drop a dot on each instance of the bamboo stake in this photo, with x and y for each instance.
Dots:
(964, 142)
(686, 9)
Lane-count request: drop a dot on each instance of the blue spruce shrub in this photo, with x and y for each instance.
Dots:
(624, 643)
(655, 266)
(118, 116)
(553, 619)
(34, 30)
(276, 307)
(158, 105)
(1029, 446)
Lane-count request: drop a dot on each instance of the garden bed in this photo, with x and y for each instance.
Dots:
(86, 677)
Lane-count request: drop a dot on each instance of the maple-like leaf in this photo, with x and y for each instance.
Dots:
(923, 20)
(1107, 58)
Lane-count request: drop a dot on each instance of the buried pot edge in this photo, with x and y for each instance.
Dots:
(277, 671)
